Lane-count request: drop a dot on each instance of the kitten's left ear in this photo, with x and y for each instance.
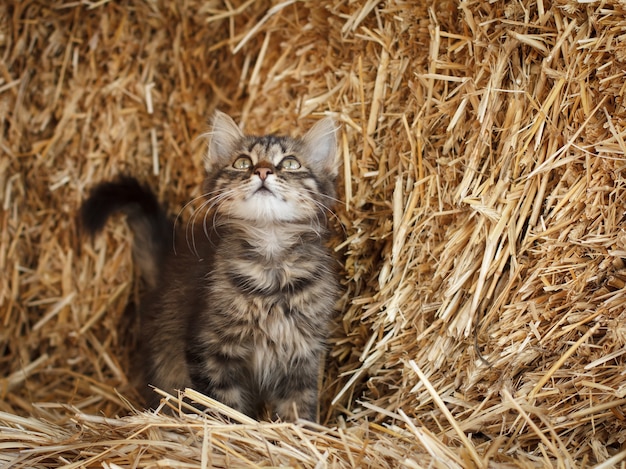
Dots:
(225, 136)
(321, 145)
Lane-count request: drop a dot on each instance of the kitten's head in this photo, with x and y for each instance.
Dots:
(271, 178)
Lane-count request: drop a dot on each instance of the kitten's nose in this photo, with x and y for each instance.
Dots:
(262, 172)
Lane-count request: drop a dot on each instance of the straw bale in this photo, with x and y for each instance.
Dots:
(480, 226)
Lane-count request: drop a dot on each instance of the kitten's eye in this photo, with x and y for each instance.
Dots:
(289, 163)
(243, 162)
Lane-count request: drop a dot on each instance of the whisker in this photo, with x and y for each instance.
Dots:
(324, 196)
(180, 212)
(324, 207)
(216, 201)
(207, 208)
(190, 235)
(189, 230)
(332, 199)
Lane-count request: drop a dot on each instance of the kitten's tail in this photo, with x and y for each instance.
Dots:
(150, 225)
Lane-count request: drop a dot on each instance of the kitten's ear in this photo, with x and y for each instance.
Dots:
(321, 145)
(225, 137)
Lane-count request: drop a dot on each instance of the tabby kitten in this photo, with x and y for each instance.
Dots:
(241, 299)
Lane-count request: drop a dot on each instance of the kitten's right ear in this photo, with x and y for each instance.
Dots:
(225, 137)
(321, 143)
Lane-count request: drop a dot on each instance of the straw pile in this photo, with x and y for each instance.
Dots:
(481, 220)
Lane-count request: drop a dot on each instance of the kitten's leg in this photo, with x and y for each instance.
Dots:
(221, 377)
(296, 393)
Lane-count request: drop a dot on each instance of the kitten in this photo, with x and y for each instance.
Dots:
(240, 301)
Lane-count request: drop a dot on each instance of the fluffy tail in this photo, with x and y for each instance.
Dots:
(150, 225)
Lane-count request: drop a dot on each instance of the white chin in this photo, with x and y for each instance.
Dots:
(264, 207)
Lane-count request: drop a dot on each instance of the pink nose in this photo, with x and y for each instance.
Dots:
(263, 172)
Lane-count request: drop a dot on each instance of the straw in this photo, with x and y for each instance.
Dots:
(479, 229)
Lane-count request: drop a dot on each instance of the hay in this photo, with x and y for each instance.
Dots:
(482, 201)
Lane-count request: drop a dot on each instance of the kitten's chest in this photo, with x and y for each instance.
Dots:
(276, 301)
(274, 306)
(279, 340)
(269, 267)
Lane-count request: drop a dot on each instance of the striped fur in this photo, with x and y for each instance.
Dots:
(241, 307)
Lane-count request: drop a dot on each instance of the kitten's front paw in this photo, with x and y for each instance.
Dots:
(304, 407)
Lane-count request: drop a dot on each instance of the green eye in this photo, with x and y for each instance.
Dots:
(243, 162)
(290, 163)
